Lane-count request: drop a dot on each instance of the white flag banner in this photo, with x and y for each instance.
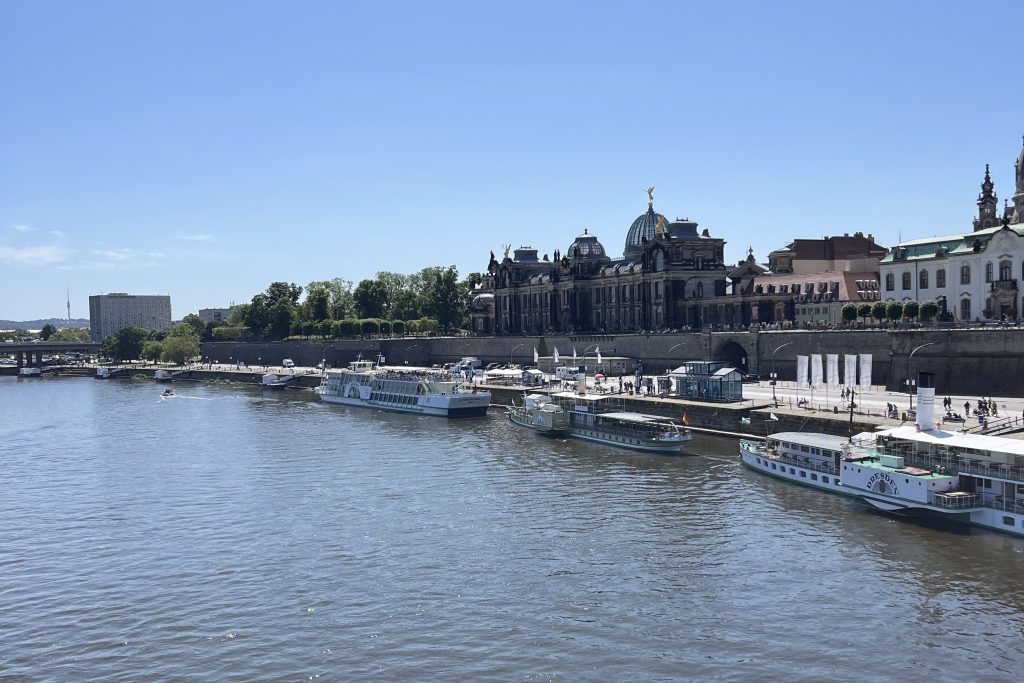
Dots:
(556, 355)
(535, 356)
(850, 370)
(801, 371)
(833, 369)
(574, 355)
(598, 355)
(865, 370)
(816, 370)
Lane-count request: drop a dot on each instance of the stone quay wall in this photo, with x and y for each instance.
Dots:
(979, 361)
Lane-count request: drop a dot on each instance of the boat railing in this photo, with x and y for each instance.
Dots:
(962, 465)
(1003, 503)
(954, 500)
(805, 463)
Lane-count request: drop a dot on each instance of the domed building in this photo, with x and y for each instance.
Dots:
(663, 280)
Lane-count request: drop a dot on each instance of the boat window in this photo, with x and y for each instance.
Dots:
(803, 474)
(792, 471)
(804, 449)
(814, 477)
(1007, 520)
(773, 466)
(824, 480)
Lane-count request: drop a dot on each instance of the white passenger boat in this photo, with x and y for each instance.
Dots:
(594, 418)
(401, 389)
(911, 470)
(810, 459)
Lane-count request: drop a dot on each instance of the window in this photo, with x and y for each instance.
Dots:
(940, 277)
(814, 477)
(1007, 520)
(965, 309)
(988, 272)
(922, 278)
(1005, 271)
(700, 289)
(824, 479)
(906, 280)
(890, 282)
(792, 471)
(803, 474)
(965, 274)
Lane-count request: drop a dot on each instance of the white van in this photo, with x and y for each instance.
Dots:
(568, 373)
(287, 363)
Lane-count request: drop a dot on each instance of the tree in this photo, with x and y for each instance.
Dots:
(894, 310)
(47, 331)
(317, 305)
(878, 310)
(370, 299)
(125, 345)
(280, 318)
(151, 350)
(71, 335)
(849, 313)
(911, 309)
(180, 349)
(445, 298)
(339, 296)
(196, 323)
(929, 309)
(864, 312)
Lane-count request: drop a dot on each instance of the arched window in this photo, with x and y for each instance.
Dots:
(965, 275)
(922, 278)
(988, 272)
(890, 282)
(700, 290)
(940, 278)
(906, 280)
(1005, 270)
(965, 309)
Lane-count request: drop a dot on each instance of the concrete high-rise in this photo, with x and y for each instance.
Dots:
(110, 313)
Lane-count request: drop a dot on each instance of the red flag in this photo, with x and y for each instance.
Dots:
(686, 420)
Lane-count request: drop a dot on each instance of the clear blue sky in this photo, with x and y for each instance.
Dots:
(205, 149)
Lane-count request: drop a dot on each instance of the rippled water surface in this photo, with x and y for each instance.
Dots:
(231, 535)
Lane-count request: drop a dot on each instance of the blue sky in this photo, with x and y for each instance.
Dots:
(204, 149)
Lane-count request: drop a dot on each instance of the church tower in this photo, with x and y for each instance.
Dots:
(987, 204)
(1018, 195)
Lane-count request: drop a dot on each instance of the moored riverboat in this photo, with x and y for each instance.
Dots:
(810, 459)
(407, 390)
(596, 418)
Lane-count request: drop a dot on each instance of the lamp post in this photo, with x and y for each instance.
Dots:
(853, 395)
(775, 377)
(405, 352)
(592, 346)
(910, 372)
(359, 356)
(517, 346)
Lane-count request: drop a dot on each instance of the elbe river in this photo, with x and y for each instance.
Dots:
(227, 534)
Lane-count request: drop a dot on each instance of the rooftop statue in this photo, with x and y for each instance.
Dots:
(650, 195)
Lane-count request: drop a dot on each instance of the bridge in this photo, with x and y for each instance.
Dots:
(30, 354)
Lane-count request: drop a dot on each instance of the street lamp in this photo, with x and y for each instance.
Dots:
(359, 356)
(517, 346)
(405, 353)
(775, 376)
(910, 372)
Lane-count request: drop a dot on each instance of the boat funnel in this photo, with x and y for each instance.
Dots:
(925, 401)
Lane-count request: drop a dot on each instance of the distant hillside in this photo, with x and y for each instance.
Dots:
(59, 323)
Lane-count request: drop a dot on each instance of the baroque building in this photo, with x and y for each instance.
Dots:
(976, 274)
(667, 271)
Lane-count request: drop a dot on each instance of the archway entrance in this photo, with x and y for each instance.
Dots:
(733, 354)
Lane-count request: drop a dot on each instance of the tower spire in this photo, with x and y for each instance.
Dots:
(987, 203)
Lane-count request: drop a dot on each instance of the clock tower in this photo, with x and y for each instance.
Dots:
(987, 203)
(1018, 195)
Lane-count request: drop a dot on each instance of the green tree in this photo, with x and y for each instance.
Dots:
(369, 326)
(398, 327)
(178, 349)
(929, 309)
(196, 323)
(280, 318)
(445, 298)
(317, 305)
(370, 299)
(151, 349)
(911, 309)
(47, 331)
(894, 310)
(878, 310)
(864, 312)
(339, 296)
(126, 344)
(71, 335)
(849, 312)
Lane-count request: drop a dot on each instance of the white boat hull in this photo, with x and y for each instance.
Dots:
(805, 476)
(468, 405)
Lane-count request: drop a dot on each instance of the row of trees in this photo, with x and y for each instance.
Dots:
(432, 299)
(177, 345)
(891, 310)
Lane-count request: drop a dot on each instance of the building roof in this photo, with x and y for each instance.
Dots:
(644, 227)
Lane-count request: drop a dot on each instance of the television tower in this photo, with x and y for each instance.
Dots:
(69, 303)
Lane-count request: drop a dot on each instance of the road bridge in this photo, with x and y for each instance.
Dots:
(30, 354)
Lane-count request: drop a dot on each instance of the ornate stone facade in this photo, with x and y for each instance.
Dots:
(668, 270)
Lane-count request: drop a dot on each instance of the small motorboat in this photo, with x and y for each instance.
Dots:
(168, 392)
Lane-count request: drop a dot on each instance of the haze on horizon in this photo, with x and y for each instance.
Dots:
(204, 150)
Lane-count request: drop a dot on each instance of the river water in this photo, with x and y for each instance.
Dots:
(231, 535)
